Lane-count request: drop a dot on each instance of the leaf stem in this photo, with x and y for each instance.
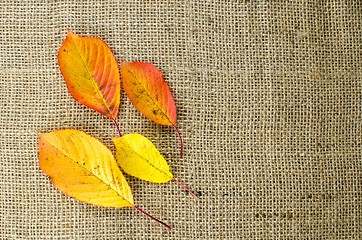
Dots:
(180, 139)
(148, 215)
(119, 132)
(193, 194)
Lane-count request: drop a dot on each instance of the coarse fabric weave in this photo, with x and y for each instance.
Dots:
(269, 105)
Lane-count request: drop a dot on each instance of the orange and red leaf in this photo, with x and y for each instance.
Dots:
(91, 73)
(148, 91)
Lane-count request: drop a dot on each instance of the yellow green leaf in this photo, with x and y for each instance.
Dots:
(82, 167)
(137, 156)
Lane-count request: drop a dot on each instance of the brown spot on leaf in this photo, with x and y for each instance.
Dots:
(111, 106)
(105, 112)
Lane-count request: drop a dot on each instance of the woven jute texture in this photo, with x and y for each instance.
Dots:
(268, 98)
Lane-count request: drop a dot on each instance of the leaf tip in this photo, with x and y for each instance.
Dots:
(70, 33)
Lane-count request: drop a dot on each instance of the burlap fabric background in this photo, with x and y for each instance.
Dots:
(269, 106)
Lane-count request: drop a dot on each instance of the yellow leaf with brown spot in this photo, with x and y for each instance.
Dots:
(91, 73)
(137, 156)
(82, 167)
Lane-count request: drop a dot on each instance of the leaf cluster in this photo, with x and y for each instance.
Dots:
(82, 166)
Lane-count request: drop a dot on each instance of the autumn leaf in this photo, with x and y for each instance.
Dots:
(82, 167)
(91, 73)
(137, 156)
(149, 93)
